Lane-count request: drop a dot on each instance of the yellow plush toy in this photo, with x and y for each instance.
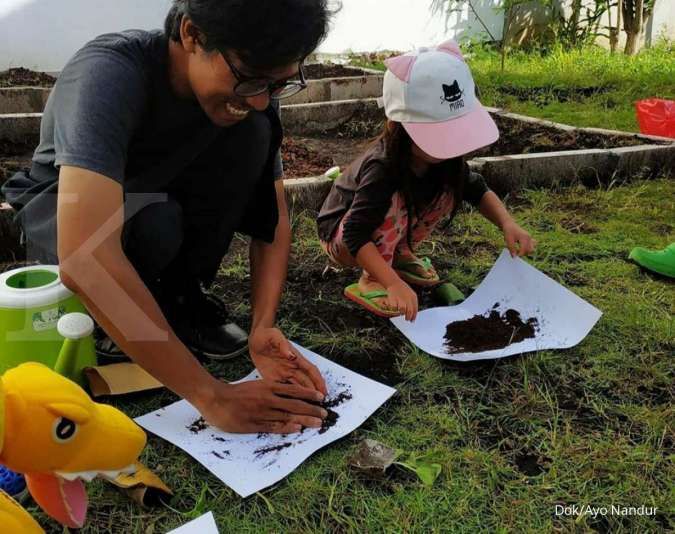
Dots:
(53, 433)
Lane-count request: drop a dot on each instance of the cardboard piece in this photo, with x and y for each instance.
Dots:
(119, 379)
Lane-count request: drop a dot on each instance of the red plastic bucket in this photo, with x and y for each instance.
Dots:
(656, 116)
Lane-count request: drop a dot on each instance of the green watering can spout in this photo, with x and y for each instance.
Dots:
(77, 329)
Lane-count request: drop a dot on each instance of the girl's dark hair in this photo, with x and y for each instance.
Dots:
(264, 33)
(398, 147)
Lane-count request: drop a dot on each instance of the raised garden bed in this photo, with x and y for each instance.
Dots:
(20, 77)
(320, 71)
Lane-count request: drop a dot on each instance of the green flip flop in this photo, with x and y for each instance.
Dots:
(353, 293)
(659, 261)
(403, 269)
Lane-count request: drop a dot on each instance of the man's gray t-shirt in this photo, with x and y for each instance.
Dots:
(102, 95)
(113, 112)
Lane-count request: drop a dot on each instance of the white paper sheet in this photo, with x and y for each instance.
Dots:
(564, 318)
(244, 461)
(205, 524)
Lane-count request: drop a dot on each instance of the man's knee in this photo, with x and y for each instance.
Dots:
(153, 236)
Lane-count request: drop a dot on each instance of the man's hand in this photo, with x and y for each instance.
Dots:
(262, 406)
(277, 360)
(518, 241)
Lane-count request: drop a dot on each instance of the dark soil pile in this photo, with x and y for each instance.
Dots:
(301, 161)
(19, 77)
(332, 418)
(329, 422)
(489, 332)
(319, 71)
(197, 426)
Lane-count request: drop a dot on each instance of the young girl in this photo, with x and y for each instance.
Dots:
(392, 197)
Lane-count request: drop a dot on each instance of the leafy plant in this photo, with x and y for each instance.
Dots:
(423, 466)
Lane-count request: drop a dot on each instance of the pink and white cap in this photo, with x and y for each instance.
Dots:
(432, 93)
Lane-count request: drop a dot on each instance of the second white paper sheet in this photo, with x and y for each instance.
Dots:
(248, 463)
(205, 524)
(563, 318)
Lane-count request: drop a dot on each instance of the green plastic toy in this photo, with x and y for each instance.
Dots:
(659, 261)
(449, 294)
(32, 301)
(333, 173)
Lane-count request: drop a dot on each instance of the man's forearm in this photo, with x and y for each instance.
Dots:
(140, 330)
(269, 266)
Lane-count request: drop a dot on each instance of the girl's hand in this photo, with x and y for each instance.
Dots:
(518, 241)
(403, 299)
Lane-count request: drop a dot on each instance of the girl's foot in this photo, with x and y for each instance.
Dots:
(368, 285)
(416, 271)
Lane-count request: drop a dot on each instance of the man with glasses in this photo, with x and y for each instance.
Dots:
(156, 147)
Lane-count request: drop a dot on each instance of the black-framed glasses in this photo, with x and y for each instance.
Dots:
(248, 86)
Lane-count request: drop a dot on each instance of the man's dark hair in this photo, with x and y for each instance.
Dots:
(263, 33)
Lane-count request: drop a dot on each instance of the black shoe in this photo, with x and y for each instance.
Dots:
(201, 322)
(107, 351)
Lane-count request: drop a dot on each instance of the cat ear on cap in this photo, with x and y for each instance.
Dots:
(401, 66)
(451, 47)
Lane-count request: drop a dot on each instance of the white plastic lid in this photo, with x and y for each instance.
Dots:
(32, 287)
(75, 325)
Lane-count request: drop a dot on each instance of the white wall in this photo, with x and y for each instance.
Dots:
(43, 34)
(368, 25)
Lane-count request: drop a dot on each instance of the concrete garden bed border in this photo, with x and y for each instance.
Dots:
(508, 173)
(34, 99)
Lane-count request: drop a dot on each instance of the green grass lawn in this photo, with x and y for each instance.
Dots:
(588, 87)
(590, 425)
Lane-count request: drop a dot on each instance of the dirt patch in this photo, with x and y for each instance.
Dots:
(576, 225)
(492, 331)
(319, 71)
(663, 229)
(20, 77)
(301, 160)
(531, 464)
(322, 154)
(544, 95)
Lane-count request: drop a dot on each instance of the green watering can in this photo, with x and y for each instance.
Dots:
(34, 320)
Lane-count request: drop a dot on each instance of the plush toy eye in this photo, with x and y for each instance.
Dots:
(64, 430)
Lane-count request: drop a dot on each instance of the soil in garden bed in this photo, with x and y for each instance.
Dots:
(346, 143)
(518, 137)
(20, 77)
(319, 71)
